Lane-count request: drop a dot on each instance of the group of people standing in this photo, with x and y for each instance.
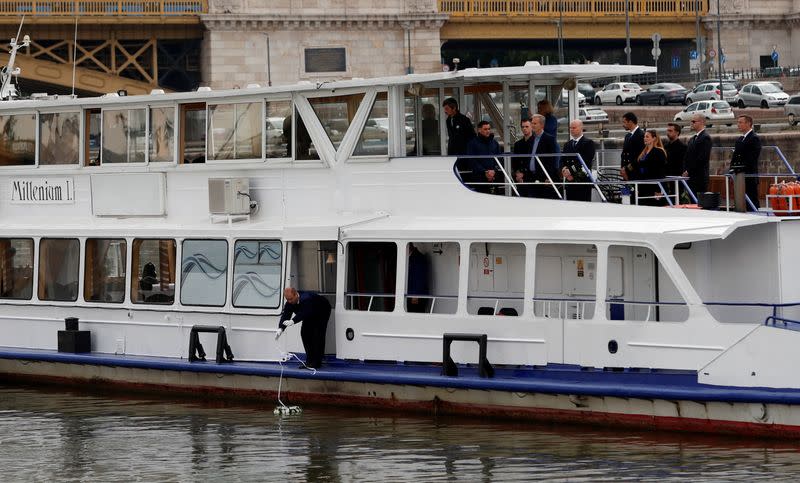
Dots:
(538, 162)
(644, 157)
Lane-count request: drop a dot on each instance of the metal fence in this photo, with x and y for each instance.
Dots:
(133, 8)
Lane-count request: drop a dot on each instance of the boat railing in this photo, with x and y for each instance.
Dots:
(354, 297)
(785, 323)
(558, 308)
(496, 309)
(652, 307)
(432, 298)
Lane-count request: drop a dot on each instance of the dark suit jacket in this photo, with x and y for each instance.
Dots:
(586, 148)
(676, 153)
(745, 156)
(632, 146)
(698, 152)
(547, 145)
(459, 132)
(312, 308)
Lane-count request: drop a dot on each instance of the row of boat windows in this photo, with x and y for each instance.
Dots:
(206, 132)
(203, 281)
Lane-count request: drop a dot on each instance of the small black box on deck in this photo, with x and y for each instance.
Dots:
(71, 323)
(74, 341)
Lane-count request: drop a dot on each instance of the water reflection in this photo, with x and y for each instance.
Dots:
(69, 436)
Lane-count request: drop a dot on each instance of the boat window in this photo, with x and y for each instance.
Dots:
(234, 131)
(59, 138)
(640, 289)
(204, 269)
(305, 149)
(279, 129)
(104, 272)
(496, 278)
(432, 277)
(429, 124)
(257, 273)
(123, 137)
(59, 261)
(410, 120)
(374, 138)
(162, 134)
(92, 140)
(153, 267)
(335, 113)
(371, 276)
(193, 133)
(18, 142)
(16, 268)
(565, 282)
(314, 267)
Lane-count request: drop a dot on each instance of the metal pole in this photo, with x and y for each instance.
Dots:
(698, 46)
(628, 34)
(561, 32)
(719, 54)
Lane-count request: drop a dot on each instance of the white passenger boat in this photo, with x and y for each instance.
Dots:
(145, 216)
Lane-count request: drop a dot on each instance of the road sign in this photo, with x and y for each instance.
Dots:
(774, 55)
(627, 50)
(693, 55)
(712, 53)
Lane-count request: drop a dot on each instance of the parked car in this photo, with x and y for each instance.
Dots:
(763, 94)
(710, 92)
(725, 78)
(565, 98)
(662, 94)
(792, 109)
(588, 115)
(587, 90)
(711, 110)
(618, 92)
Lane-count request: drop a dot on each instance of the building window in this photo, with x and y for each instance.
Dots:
(496, 278)
(104, 272)
(257, 274)
(123, 137)
(16, 268)
(204, 267)
(330, 59)
(59, 260)
(162, 134)
(371, 276)
(59, 138)
(153, 264)
(18, 142)
(234, 131)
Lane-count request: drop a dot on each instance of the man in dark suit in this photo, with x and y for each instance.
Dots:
(633, 145)
(676, 150)
(313, 310)
(459, 128)
(745, 156)
(698, 153)
(527, 169)
(485, 169)
(571, 167)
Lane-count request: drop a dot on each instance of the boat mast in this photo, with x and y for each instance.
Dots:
(8, 90)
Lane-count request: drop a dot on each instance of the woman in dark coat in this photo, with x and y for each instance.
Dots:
(651, 164)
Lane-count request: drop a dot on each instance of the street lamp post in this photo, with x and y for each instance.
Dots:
(628, 34)
(561, 32)
(698, 45)
(719, 53)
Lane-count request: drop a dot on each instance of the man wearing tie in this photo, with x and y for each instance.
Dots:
(527, 169)
(571, 167)
(745, 156)
(698, 153)
(633, 145)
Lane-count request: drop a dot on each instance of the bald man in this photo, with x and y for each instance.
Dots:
(313, 310)
(572, 169)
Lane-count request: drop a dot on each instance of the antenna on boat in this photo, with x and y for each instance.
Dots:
(7, 89)
(74, 55)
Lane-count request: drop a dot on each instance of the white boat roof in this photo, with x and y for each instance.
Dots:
(545, 74)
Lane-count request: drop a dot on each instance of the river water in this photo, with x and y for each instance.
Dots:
(65, 435)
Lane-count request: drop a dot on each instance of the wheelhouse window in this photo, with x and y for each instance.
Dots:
(123, 137)
(92, 140)
(204, 269)
(374, 138)
(496, 278)
(565, 283)
(234, 131)
(257, 274)
(371, 276)
(336, 113)
(640, 289)
(426, 109)
(18, 141)
(162, 134)
(299, 137)
(432, 277)
(59, 260)
(193, 133)
(153, 264)
(279, 129)
(104, 270)
(59, 138)
(16, 268)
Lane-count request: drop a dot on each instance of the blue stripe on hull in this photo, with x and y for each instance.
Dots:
(552, 379)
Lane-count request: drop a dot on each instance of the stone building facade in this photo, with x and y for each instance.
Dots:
(285, 41)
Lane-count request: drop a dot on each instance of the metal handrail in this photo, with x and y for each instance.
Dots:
(125, 8)
(434, 298)
(371, 296)
(572, 8)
